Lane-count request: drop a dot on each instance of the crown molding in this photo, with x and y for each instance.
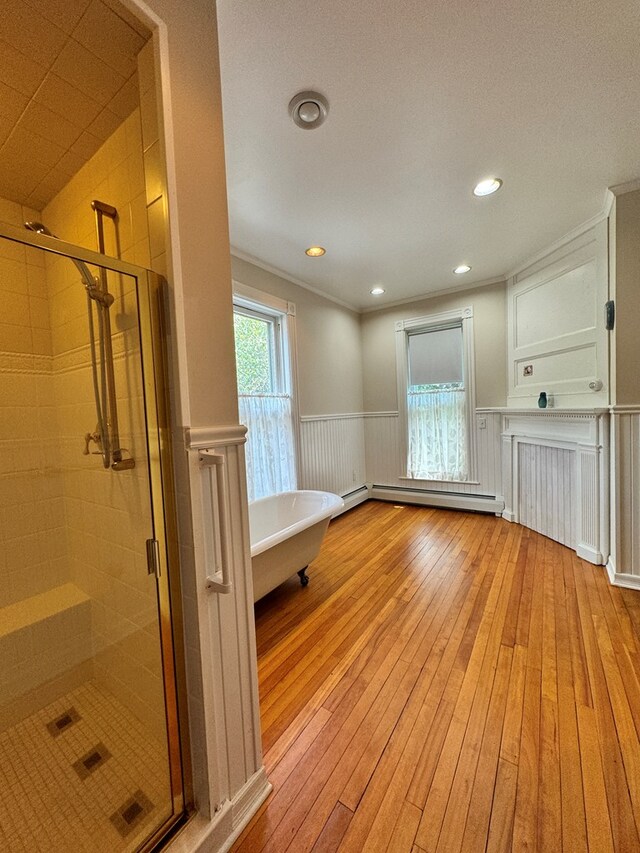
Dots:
(250, 259)
(567, 238)
(628, 187)
(432, 294)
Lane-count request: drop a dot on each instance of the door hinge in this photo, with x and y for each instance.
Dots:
(153, 557)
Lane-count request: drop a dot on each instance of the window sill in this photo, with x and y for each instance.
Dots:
(457, 482)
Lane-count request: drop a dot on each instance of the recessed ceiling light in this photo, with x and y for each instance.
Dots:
(315, 251)
(463, 268)
(376, 291)
(488, 186)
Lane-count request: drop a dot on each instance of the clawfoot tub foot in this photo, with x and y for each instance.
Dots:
(302, 574)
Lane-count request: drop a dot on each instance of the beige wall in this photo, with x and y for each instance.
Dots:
(489, 326)
(328, 344)
(627, 296)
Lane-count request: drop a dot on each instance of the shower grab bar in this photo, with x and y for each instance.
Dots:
(214, 468)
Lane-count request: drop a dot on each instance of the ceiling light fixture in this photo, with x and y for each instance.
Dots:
(462, 269)
(315, 251)
(308, 109)
(487, 187)
(376, 291)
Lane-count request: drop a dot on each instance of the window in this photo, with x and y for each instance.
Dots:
(436, 393)
(264, 393)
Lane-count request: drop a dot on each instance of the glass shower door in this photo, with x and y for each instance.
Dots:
(89, 752)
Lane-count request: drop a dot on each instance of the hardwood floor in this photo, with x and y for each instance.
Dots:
(448, 682)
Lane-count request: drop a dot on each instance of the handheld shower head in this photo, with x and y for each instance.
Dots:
(88, 280)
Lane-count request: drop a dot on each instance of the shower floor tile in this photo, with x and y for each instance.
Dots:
(47, 805)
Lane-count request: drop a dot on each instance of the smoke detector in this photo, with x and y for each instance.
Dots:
(308, 109)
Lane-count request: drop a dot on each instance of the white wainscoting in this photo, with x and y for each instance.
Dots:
(348, 453)
(220, 631)
(386, 467)
(624, 562)
(546, 491)
(332, 455)
(556, 475)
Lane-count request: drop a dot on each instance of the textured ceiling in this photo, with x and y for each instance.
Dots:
(67, 80)
(426, 99)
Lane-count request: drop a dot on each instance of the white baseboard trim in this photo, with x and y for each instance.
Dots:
(358, 496)
(218, 835)
(247, 802)
(446, 500)
(620, 579)
(590, 555)
(508, 515)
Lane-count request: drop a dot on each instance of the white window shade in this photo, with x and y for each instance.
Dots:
(435, 356)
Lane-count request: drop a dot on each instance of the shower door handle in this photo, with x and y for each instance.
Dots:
(215, 470)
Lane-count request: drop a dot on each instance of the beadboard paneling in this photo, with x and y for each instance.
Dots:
(547, 488)
(556, 476)
(386, 467)
(332, 454)
(625, 451)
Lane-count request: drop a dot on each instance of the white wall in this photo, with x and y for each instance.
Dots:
(224, 726)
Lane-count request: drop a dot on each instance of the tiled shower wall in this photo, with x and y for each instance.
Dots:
(64, 518)
(32, 536)
(34, 564)
(107, 512)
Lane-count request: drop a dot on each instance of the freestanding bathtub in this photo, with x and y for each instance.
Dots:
(286, 533)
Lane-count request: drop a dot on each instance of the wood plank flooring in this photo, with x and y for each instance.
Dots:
(448, 682)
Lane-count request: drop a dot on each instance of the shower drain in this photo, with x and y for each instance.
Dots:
(131, 813)
(91, 760)
(60, 724)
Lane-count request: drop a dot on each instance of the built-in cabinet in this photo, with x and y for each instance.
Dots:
(557, 340)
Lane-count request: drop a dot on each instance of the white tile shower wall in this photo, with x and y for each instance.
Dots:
(32, 535)
(386, 467)
(44, 620)
(107, 512)
(332, 453)
(41, 638)
(115, 175)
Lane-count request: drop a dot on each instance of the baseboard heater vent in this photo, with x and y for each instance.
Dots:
(353, 498)
(446, 500)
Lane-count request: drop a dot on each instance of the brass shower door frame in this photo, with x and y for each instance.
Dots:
(151, 295)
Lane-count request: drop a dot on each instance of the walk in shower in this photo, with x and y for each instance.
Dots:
(90, 756)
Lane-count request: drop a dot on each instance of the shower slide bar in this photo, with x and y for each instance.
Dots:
(112, 431)
(106, 435)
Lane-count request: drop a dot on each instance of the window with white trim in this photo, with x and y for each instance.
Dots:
(435, 392)
(263, 366)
